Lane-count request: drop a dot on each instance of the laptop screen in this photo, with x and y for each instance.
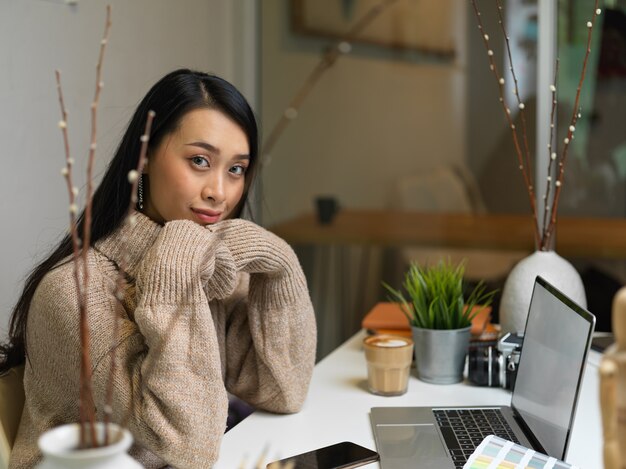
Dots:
(556, 341)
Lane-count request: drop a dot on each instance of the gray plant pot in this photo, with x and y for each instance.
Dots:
(440, 354)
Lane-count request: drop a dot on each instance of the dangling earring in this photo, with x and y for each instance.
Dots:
(140, 191)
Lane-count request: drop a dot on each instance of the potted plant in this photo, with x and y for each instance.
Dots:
(440, 316)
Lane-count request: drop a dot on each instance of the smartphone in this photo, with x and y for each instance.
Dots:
(341, 455)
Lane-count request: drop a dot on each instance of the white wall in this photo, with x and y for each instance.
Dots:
(148, 39)
(369, 120)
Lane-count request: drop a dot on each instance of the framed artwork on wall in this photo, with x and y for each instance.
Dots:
(427, 27)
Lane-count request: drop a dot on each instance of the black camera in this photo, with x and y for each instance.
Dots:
(495, 363)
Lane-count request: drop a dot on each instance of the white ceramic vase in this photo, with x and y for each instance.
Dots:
(59, 449)
(519, 286)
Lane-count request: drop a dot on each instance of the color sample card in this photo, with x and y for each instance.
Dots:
(496, 453)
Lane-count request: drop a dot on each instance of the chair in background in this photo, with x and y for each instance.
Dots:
(452, 189)
(11, 406)
(444, 188)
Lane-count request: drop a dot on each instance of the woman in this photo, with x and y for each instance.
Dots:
(214, 303)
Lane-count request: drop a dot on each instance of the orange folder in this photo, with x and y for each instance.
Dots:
(388, 318)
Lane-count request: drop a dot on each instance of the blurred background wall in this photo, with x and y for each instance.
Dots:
(373, 116)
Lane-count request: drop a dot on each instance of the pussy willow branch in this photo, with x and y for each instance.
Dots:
(572, 126)
(86, 400)
(87, 387)
(551, 141)
(507, 113)
(72, 191)
(92, 146)
(542, 239)
(328, 60)
(85, 407)
(120, 284)
(520, 105)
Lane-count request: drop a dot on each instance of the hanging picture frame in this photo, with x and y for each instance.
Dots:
(427, 27)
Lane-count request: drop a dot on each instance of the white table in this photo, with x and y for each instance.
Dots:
(338, 405)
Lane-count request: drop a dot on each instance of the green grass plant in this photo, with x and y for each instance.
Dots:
(436, 299)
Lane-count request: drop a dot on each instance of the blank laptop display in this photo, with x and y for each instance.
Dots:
(543, 404)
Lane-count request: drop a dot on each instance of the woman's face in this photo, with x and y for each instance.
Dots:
(198, 171)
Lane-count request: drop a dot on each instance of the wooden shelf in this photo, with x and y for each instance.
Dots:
(575, 237)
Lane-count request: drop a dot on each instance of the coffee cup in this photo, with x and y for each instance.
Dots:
(327, 208)
(389, 360)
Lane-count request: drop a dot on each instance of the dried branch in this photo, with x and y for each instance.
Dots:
(86, 392)
(542, 239)
(71, 189)
(92, 146)
(507, 112)
(80, 248)
(328, 60)
(120, 284)
(572, 126)
(520, 104)
(551, 154)
(85, 402)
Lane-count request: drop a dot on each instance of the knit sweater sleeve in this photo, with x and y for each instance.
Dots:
(175, 391)
(271, 335)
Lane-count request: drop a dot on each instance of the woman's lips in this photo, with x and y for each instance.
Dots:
(207, 216)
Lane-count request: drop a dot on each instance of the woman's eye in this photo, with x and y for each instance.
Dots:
(238, 170)
(200, 161)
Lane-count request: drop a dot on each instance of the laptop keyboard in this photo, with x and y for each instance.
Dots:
(464, 429)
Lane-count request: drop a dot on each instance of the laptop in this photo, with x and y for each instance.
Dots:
(543, 403)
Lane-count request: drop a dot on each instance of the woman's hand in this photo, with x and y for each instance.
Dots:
(188, 255)
(253, 248)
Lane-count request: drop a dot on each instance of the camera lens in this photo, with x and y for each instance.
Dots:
(483, 367)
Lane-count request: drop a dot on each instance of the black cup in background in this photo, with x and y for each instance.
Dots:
(327, 208)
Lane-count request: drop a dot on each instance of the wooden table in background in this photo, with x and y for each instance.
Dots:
(575, 237)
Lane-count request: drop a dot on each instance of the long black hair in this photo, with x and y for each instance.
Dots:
(171, 98)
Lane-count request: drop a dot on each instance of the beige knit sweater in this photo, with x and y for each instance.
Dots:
(207, 310)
